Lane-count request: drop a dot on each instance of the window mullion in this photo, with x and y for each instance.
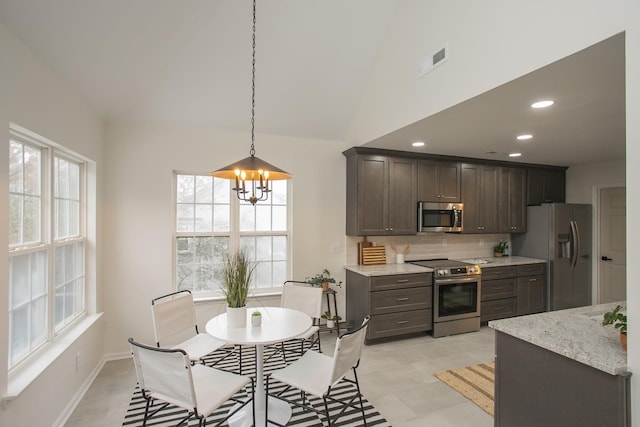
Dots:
(47, 229)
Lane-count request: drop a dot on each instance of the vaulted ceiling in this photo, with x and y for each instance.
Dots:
(188, 63)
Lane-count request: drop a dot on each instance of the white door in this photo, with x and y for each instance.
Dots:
(612, 258)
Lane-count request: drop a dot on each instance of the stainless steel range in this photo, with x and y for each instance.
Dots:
(456, 296)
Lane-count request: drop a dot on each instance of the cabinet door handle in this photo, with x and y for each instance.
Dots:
(402, 299)
(403, 280)
(402, 322)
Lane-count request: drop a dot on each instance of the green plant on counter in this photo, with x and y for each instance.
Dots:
(617, 319)
(256, 313)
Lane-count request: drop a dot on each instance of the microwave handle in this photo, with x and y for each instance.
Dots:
(456, 217)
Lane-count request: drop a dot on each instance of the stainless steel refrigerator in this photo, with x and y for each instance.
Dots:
(561, 234)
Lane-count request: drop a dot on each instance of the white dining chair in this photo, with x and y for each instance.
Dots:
(308, 299)
(316, 374)
(168, 375)
(175, 326)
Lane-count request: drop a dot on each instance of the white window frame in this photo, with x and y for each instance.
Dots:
(234, 235)
(54, 336)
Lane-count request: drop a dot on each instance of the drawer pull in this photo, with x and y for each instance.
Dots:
(403, 280)
(402, 322)
(402, 299)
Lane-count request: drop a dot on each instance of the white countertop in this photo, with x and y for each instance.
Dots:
(505, 261)
(576, 333)
(407, 268)
(387, 269)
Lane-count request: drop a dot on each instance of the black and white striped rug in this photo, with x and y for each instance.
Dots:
(171, 415)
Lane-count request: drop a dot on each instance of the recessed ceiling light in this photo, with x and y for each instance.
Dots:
(515, 154)
(524, 136)
(418, 144)
(542, 104)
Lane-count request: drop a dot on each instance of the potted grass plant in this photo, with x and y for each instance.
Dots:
(237, 276)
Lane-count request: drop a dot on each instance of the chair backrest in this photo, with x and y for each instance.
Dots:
(302, 297)
(348, 350)
(174, 318)
(164, 374)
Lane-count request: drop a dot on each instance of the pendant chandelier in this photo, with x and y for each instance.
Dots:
(252, 175)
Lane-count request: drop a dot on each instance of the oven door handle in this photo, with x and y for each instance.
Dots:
(463, 279)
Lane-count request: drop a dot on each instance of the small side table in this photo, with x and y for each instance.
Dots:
(329, 294)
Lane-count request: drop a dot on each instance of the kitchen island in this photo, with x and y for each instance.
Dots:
(561, 368)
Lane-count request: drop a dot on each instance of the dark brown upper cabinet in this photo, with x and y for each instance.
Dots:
(381, 195)
(438, 181)
(480, 197)
(512, 207)
(545, 185)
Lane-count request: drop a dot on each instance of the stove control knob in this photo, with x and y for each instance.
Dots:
(473, 269)
(443, 272)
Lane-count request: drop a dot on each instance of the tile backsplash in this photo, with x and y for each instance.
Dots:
(430, 245)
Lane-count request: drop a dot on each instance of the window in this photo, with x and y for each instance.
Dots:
(211, 222)
(46, 243)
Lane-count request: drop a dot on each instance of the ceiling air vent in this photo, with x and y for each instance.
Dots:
(432, 61)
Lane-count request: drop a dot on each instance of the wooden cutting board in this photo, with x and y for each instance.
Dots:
(374, 255)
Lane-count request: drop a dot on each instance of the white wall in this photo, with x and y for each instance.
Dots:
(491, 43)
(33, 97)
(138, 210)
(581, 180)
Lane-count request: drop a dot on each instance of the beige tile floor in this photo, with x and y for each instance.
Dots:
(396, 377)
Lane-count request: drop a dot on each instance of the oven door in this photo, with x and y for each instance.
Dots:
(456, 298)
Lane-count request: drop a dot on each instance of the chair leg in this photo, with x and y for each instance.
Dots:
(326, 410)
(266, 403)
(240, 361)
(355, 376)
(284, 355)
(146, 412)
(319, 345)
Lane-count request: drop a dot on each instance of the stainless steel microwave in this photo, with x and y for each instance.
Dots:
(439, 217)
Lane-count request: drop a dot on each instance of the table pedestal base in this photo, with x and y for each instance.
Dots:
(279, 411)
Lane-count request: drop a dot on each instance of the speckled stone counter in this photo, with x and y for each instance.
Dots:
(576, 333)
(503, 261)
(387, 269)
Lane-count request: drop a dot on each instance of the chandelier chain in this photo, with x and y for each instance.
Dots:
(253, 83)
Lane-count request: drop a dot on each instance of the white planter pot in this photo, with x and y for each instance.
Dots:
(331, 324)
(256, 320)
(236, 317)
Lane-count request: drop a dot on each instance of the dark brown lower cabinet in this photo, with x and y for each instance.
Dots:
(509, 291)
(398, 304)
(536, 387)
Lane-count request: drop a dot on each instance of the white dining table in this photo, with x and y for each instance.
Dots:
(278, 324)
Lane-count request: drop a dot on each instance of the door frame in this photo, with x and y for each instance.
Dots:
(595, 266)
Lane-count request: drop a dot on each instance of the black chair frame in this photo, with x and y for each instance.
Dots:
(202, 421)
(236, 349)
(302, 401)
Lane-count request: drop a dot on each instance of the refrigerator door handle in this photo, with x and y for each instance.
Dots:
(575, 243)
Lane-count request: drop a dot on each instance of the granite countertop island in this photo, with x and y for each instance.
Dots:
(561, 368)
(576, 333)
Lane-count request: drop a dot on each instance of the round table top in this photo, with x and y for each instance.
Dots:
(278, 324)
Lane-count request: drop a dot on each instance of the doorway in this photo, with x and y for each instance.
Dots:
(612, 255)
